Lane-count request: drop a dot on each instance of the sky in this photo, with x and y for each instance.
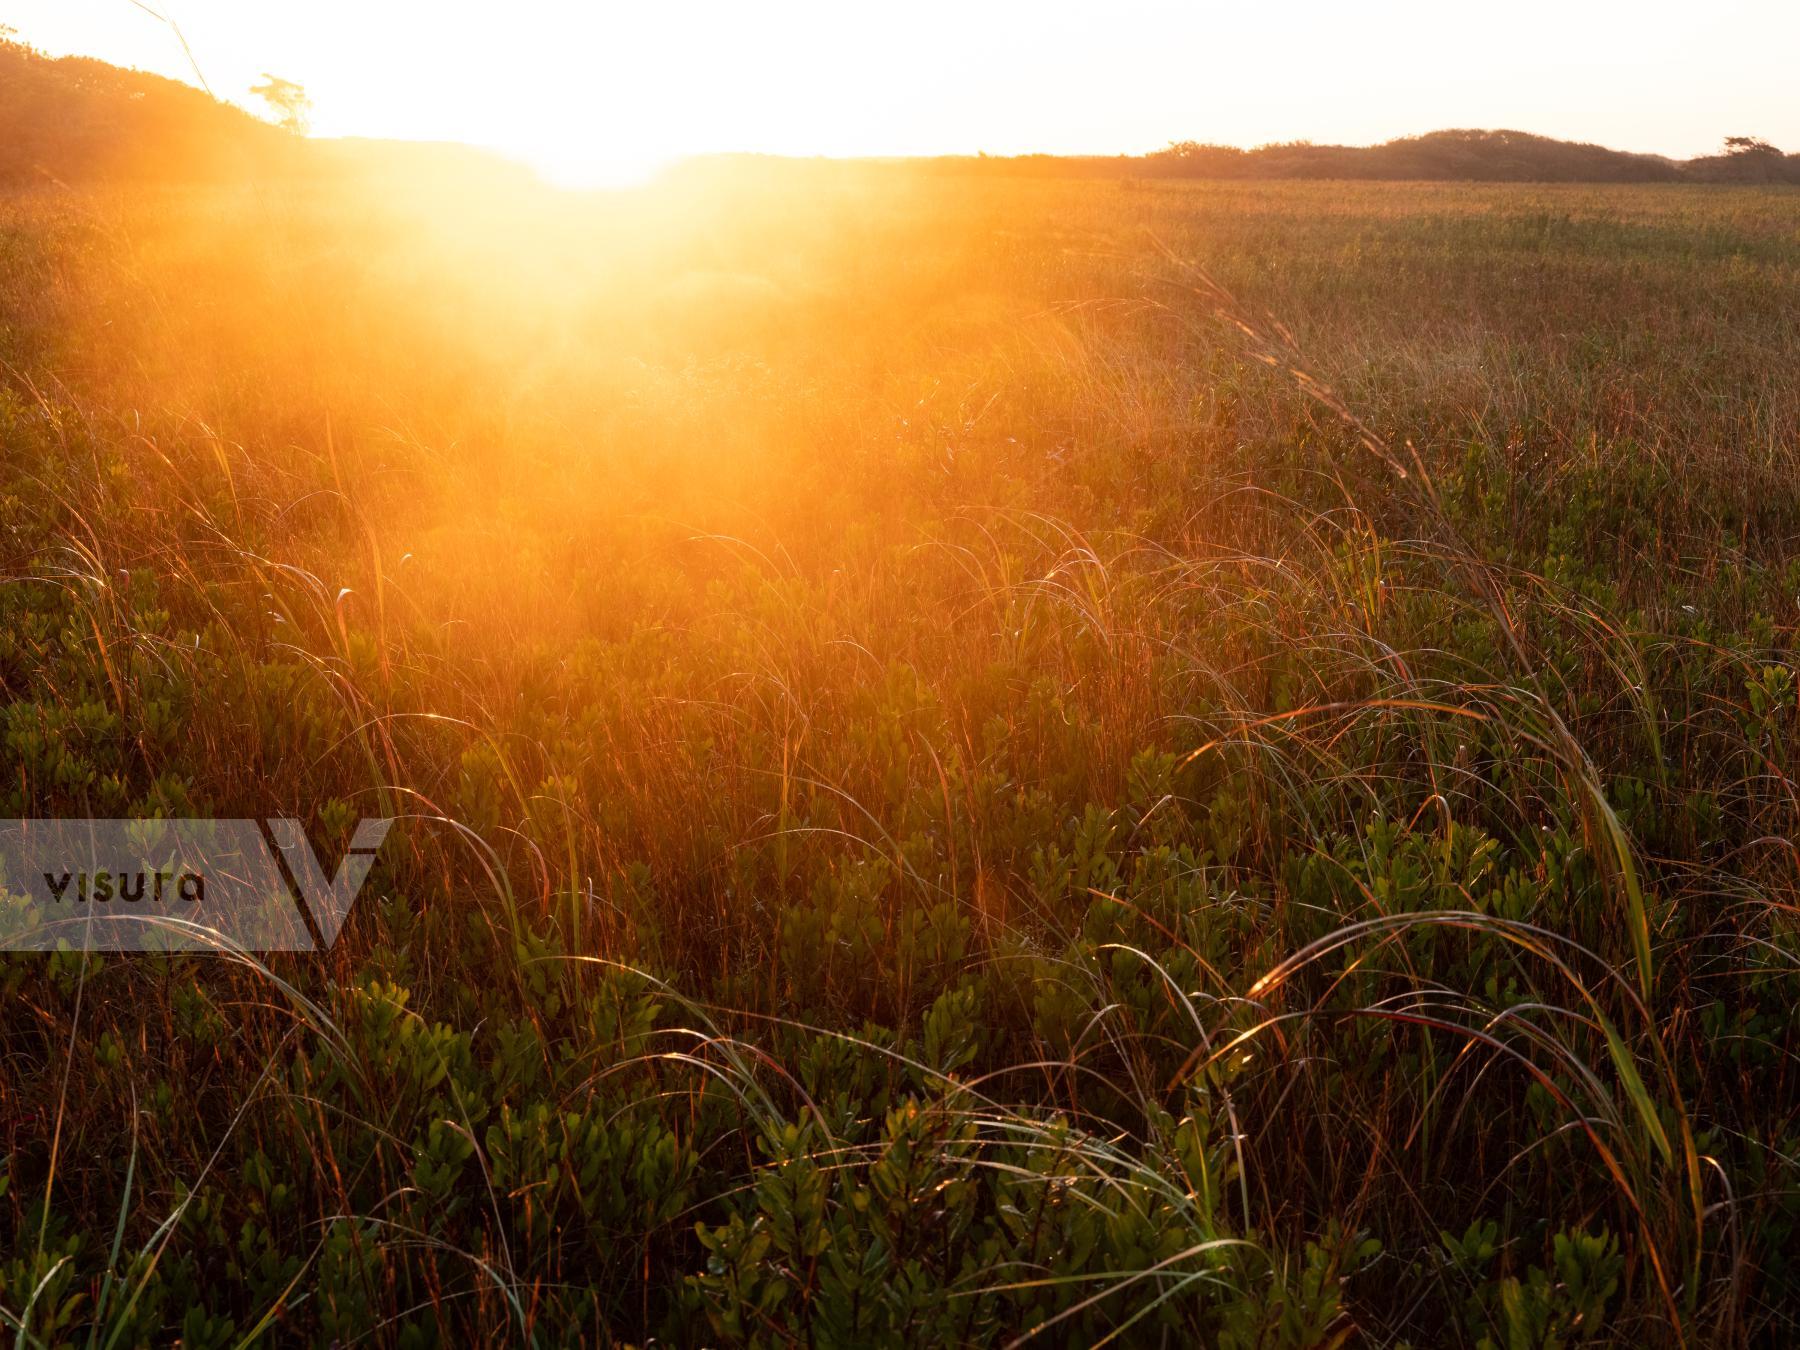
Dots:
(595, 92)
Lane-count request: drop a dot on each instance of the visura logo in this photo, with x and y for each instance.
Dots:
(128, 887)
(176, 885)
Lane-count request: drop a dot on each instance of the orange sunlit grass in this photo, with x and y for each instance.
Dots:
(980, 752)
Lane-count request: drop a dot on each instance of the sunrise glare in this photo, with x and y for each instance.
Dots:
(817, 676)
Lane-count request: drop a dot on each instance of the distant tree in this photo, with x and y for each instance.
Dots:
(1195, 151)
(1749, 145)
(288, 103)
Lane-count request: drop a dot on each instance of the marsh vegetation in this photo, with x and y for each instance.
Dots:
(1188, 762)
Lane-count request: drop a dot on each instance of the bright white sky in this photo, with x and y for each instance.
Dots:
(593, 90)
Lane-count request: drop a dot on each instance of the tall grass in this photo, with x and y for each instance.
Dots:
(992, 762)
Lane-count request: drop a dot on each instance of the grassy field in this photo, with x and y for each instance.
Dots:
(974, 761)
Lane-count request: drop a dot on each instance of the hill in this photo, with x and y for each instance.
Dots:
(1476, 156)
(74, 118)
(1458, 155)
(1494, 156)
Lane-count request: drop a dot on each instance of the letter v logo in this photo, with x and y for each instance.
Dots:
(328, 901)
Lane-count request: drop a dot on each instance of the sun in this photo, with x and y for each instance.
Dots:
(569, 163)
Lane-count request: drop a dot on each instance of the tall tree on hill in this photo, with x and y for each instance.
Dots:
(288, 104)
